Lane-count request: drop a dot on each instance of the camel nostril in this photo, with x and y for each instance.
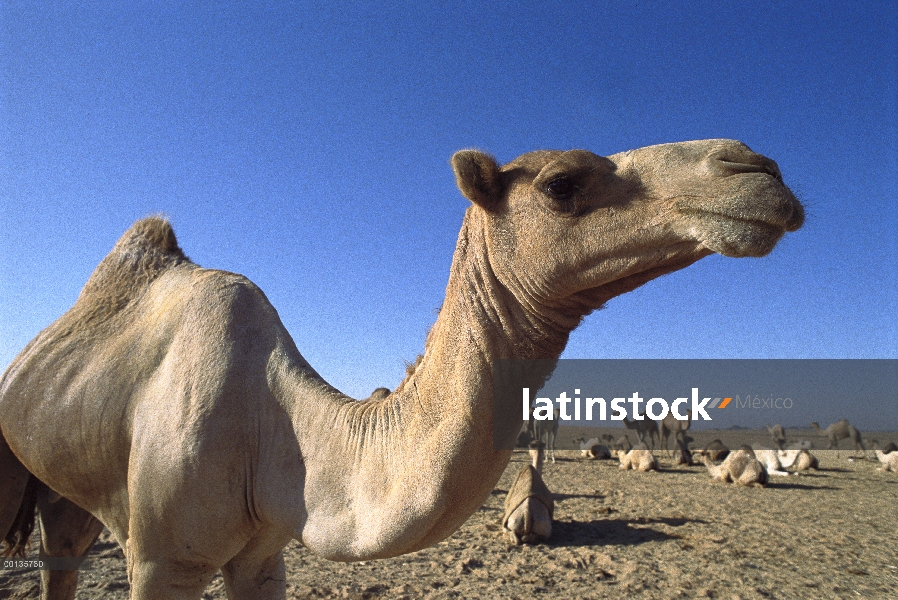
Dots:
(759, 164)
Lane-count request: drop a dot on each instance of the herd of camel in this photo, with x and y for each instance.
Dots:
(171, 405)
(529, 505)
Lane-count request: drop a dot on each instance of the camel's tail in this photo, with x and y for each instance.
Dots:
(18, 499)
(16, 538)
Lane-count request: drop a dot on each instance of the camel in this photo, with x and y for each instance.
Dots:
(889, 460)
(771, 461)
(205, 442)
(716, 450)
(548, 429)
(639, 458)
(623, 443)
(682, 455)
(643, 428)
(529, 505)
(586, 445)
(778, 434)
(841, 430)
(591, 448)
(798, 460)
(600, 452)
(670, 424)
(524, 439)
(739, 467)
(799, 445)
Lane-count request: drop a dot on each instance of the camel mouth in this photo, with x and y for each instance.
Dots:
(770, 223)
(759, 198)
(736, 236)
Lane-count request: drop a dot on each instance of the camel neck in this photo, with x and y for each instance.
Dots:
(481, 323)
(428, 453)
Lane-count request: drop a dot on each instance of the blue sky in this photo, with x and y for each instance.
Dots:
(306, 146)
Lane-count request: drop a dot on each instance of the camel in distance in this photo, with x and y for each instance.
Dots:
(205, 442)
(841, 430)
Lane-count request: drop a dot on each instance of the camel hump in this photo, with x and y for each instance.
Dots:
(144, 252)
(154, 233)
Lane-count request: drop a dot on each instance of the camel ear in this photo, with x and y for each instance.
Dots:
(477, 176)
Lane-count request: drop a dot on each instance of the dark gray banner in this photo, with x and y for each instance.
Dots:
(44, 563)
(723, 394)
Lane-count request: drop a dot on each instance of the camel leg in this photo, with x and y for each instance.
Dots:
(165, 578)
(256, 571)
(67, 531)
(13, 479)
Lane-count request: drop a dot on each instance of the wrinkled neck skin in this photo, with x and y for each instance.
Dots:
(392, 476)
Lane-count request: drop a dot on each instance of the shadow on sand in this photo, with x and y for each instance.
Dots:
(623, 532)
(799, 486)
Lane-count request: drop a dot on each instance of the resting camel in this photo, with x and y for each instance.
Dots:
(591, 448)
(778, 434)
(586, 445)
(623, 443)
(529, 505)
(643, 428)
(889, 460)
(716, 450)
(771, 461)
(205, 441)
(639, 458)
(671, 425)
(798, 460)
(739, 467)
(682, 455)
(841, 430)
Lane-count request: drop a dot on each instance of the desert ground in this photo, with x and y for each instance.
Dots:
(832, 533)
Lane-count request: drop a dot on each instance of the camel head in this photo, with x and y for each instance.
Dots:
(573, 229)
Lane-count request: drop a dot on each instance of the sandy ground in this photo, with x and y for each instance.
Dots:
(670, 534)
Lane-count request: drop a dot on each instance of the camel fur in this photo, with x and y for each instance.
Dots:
(171, 405)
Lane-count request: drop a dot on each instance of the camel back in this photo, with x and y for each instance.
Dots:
(528, 484)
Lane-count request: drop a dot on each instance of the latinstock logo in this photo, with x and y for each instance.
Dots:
(587, 409)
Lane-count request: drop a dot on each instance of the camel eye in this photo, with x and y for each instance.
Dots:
(560, 188)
